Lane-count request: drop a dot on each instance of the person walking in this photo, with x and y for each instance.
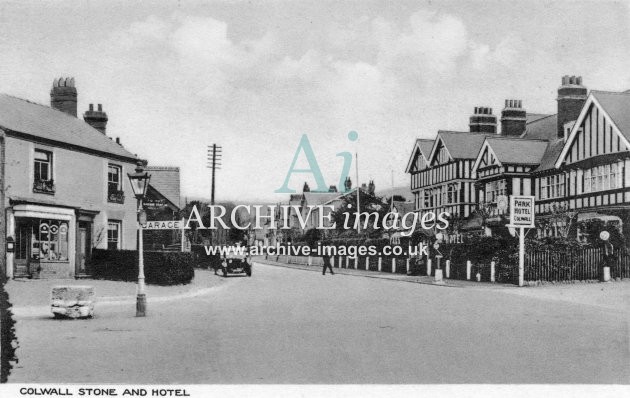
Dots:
(327, 265)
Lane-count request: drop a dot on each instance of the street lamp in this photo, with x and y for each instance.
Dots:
(139, 183)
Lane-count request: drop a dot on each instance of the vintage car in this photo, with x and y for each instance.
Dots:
(236, 263)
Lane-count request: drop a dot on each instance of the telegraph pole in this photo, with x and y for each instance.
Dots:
(214, 163)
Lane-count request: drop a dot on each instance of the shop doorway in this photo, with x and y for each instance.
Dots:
(84, 249)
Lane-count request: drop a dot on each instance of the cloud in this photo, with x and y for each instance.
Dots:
(256, 99)
(172, 84)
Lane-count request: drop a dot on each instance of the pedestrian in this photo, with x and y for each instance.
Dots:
(327, 265)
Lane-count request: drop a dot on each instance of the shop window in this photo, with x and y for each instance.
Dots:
(42, 179)
(49, 241)
(114, 184)
(113, 235)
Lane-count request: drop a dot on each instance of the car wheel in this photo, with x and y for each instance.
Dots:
(225, 272)
(249, 272)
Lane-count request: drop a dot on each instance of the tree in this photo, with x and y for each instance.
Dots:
(346, 214)
(561, 221)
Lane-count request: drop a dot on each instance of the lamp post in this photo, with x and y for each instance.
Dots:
(139, 184)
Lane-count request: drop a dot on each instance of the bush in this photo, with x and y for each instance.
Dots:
(7, 333)
(481, 251)
(160, 268)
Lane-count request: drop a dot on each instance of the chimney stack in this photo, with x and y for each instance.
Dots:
(97, 119)
(513, 118)
(483, 121)
(571, 98)
(63, 96)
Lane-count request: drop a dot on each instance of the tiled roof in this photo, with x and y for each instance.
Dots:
(50, 124)
(316, 198)
(533, 117)
(617, 105)
(543, 128)
(518, 150)
(425, 146)
(463, 144)
(166, 181)
(554, 148)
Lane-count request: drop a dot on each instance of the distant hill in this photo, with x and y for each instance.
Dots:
(402, 191)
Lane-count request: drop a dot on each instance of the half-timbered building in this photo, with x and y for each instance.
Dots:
(577, 159)
(446, 183)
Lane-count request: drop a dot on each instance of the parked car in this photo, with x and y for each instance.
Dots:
(236, 263)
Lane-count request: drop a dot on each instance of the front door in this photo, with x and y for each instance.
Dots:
(83, 249)
(22, 249)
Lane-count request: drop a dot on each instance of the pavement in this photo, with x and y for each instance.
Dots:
(286, 325)
(31, 297)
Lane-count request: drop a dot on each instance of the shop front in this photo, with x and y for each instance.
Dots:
(45, 241)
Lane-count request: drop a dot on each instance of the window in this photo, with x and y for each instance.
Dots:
(114, 184)
(49, 241)
(601, 178)
(552, 187)
(113, 235)
(43, 165)
(42, 178)
(495, 189)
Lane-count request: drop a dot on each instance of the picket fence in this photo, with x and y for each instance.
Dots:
(540, 265)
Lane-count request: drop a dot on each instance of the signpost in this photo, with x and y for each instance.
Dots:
(521, 217)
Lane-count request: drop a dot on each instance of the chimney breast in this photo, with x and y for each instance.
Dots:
(483, 121)
(513, 118)
(571, 98)
(63, 96)
(97, 119)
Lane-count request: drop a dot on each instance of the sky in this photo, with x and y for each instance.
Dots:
(254, 76)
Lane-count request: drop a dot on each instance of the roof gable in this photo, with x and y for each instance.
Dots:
(615, 109)
(422, 147)
(486, 157)
(460, 144)
(166, 181)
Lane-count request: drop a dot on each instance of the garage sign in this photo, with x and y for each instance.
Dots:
(170, 224)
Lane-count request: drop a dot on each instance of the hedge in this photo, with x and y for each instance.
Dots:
(160, 267)
(7, 333)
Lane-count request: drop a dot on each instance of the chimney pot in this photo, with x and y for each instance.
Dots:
(513, 118)
(571, 98)
(98, 119)
(63, 96)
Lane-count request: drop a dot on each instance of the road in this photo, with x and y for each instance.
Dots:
(293, 326)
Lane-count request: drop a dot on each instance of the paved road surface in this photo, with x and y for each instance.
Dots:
(292, 326)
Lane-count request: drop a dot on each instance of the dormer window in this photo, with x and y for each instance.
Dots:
(42, 179)
(115, 193)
